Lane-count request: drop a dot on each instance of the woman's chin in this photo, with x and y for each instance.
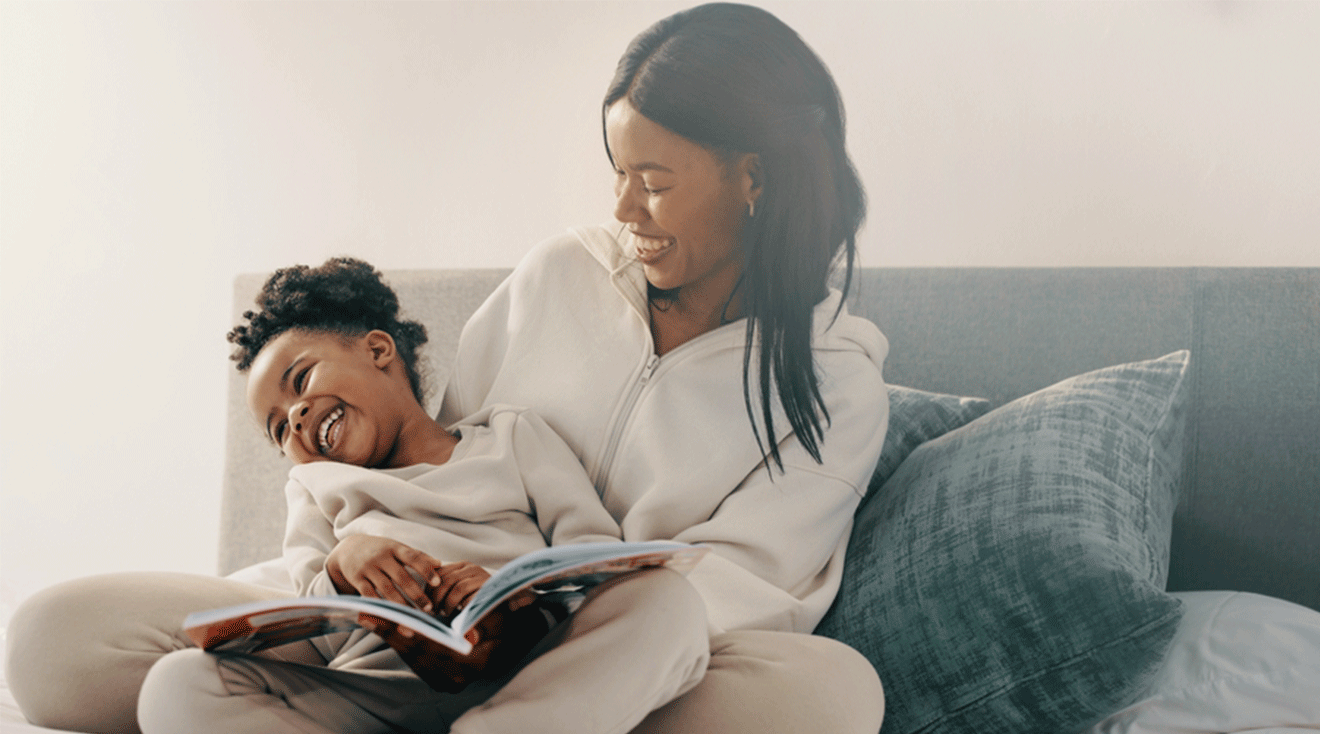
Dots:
(661, 279)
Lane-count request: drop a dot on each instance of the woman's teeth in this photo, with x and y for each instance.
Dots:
(650, 248)
(324, 432)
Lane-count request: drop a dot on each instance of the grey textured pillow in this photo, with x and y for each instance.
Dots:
(1009, 576)
(915, 417)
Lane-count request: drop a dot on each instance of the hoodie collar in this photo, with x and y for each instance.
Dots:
(605, 243)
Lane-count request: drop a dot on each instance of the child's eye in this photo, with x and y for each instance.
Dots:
(300, 379)
(279, 432)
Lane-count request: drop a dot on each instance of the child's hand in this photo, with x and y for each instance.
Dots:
(458, 582)
(499, 642)
(373, 566)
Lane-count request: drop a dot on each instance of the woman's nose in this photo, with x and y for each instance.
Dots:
(627, 205)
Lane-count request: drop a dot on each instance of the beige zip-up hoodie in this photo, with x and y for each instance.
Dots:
(666, 440)
(510, 487)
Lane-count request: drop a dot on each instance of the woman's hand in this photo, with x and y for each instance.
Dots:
(499, 642)
(369, 565)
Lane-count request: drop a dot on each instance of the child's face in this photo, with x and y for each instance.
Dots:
(322, 397)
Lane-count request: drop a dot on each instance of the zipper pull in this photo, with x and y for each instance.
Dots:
(651, 364)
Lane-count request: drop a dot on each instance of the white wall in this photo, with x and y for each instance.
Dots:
(149, 152)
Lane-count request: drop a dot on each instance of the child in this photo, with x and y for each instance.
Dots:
(383, 501)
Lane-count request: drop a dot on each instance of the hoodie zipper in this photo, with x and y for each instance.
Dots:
(616, 430)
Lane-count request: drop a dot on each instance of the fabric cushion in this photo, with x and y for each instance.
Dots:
(915, 417)
(1009, 575)
(1239, 662)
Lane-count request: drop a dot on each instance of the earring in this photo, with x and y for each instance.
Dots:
(751, 208)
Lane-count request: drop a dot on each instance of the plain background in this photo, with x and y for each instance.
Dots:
(149, 152)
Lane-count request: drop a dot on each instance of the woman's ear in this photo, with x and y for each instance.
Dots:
(383, 350)
(749, 172)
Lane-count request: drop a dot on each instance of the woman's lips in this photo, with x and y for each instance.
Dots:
(649, 249)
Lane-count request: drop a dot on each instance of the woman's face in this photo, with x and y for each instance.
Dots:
(320, 397)
(683, 205)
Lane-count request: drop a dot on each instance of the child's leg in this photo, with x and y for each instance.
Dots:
(77, 652)
(637, 642)
(193, 692)
(777, 683)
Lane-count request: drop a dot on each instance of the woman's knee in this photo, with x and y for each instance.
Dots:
(664, 594)
(811, 681)
(659, 606)
(849, 680)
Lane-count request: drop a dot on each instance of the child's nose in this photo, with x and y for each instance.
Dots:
(297, 414)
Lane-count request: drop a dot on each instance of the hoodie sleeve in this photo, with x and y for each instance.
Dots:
(481, 349)
(489, 334)
(308, 539)
(565, 504)
(778, 543)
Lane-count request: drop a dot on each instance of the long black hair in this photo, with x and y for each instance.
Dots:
(735, 79)
(342, 296)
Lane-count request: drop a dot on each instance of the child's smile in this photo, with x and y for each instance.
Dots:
(331, 429)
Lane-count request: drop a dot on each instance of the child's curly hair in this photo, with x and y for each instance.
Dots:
(343, 296)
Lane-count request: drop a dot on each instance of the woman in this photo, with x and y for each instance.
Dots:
(731, 402)
(712, 384)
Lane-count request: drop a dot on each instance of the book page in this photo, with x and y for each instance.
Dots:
(586, 564)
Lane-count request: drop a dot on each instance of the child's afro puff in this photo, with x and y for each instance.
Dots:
(343, 296)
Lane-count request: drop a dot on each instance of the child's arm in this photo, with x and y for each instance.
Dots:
(308, 539)
(380, 567)
(320, 564)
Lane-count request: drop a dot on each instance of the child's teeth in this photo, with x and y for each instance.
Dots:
(324, 432)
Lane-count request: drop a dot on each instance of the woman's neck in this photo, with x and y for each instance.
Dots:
(689, 314)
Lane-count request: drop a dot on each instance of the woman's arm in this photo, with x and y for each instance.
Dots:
(565, 505)
(778, 543)
(481, 345)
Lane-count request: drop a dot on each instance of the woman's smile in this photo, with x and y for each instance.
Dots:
(650, 248)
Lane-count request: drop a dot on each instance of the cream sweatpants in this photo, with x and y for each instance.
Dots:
(106, 654)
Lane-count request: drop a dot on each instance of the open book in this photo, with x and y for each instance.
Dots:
(259, 625)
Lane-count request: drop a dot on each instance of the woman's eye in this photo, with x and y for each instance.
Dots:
(279, 432)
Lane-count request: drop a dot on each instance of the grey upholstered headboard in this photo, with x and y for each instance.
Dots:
(1249, 516)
